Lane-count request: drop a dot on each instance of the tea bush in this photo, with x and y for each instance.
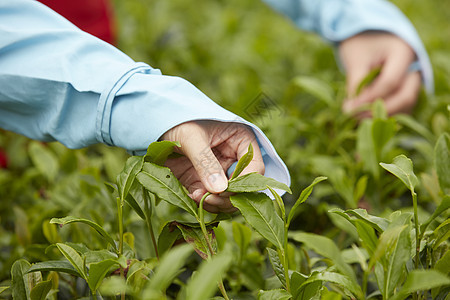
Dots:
(376, 228)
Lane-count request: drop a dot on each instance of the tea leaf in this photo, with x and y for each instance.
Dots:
(160, 181)
(443, 206)
(382, 132)
(317, 88)
(278, 294)
(258, 211)
(441, 233)
(242, 236)
(19, 280)
(368, 79)
(421, 280)
(442, 161)
(339, 279)
(98, 271)
(203, 283)
(303, 196)
(297, 280)
(195, 237)
(279, 202)
(402, 168)
(98, 228)
(44, 159)
(135, 199)
(40, 291)
(169, 267)
(126, 178)
(397, 261)
(54, 265)
(158, 152)
(379, 224)
(366, 148)
(309, 291)
(254, 182)
(443, 264)
(325, 247)
(169, 234)
(74, 258)
(243, 162)
(3, 288)
(412, 123)
(276, 265)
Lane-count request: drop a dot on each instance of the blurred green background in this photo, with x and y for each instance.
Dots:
(237, 52)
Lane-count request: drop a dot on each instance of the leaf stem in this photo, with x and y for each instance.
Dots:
(201, 220)
(201, 216)
(418, 238)
(285, 259)
(120, 220)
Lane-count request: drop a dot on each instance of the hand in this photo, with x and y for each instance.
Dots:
(398, 87)
(209, 149)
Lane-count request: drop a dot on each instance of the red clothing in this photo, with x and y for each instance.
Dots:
(92, 16)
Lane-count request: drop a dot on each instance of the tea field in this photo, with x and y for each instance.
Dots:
(366, 216)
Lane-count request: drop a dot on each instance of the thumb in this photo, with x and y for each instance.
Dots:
(198, 149)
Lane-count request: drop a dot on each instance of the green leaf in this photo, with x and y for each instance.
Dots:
(441, 233)
(254, 182)
(160, 181)
(443, 264)
(258, 211)
(169, 234)
(44, 159)
(366, 148)
(169, 267)
(297, 280)
(382, 132)
(339, 279)
(243, 162)
(310, 290)
(386, 242)
(279, 202)
(158, 152)
(443, 206)
(368, 79)
(325, 247)
(74, 258)
(50, 232)
(276, 265)
(40, 291)
(317, 88)
(55, 265)
(241, 235)
(442, 161)
(97, 227)
(367, 235)
(303, 196)
(203, 283)
(19, 280)
(402, 168)
(3, 288)
(278, 294)
(412, 123)
(397, 260)
(379, 224)
(421, 280)
(195, 237)
(126, 178)
(135, 199)
(98, 271)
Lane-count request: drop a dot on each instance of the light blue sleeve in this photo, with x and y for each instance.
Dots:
(60, 83)
(337, 20)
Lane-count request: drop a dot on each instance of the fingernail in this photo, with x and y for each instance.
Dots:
(218, 182)
(347, 107)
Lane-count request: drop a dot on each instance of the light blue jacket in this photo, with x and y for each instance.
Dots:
(60, 83)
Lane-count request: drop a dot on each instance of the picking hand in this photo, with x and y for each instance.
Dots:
(396, 85)
(209, 149)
